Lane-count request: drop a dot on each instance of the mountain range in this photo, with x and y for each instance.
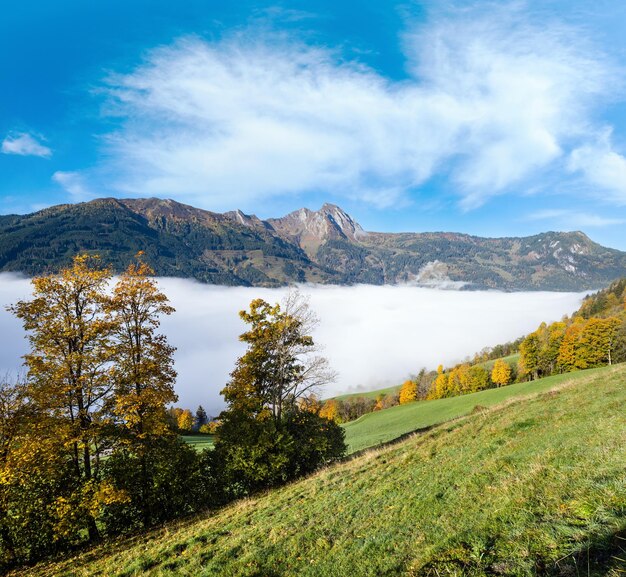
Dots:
(324, 246)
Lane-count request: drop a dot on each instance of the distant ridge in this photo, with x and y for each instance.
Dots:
(324, 246)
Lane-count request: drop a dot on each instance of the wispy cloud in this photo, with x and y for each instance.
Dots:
(603, 167)
(74, 184)
(491, 101)
(572, 219)
(25, 144)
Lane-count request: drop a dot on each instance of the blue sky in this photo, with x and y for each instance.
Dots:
(488, 118)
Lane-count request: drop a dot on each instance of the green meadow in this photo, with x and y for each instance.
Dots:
(199, 442)
(370, 394)
(511, 359)
(382, 426)
(531, 483)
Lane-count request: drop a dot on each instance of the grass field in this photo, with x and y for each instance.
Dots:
(370, 394)
(511, 359)
(382, 426)
(535, 486)
(199, 442)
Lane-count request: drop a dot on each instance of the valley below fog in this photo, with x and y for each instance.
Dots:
(373, 336)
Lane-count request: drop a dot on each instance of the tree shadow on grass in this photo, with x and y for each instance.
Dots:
(604, 556)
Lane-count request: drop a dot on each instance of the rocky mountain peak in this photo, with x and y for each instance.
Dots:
(249, 220)
(348, 226)
(311, 228)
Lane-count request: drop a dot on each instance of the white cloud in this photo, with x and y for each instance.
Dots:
(373, 336)
(74, 183)
(491, 100)
(25, 145)
(572, 219)
(603, 167)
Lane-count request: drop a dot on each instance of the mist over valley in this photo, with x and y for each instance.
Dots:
(373, 336)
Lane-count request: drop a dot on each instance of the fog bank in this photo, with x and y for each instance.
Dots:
(373, 336)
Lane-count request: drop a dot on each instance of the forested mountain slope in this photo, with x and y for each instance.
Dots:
(324, 246)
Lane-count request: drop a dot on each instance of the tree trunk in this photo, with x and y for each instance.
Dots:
(92, 528)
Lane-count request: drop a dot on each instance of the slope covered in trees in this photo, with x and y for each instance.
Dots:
(324, 246)
(593, 336)
(506, 491)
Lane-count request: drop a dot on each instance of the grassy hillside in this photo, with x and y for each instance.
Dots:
(199, 441)
(510, 359)
(382, 426)
(536, 486)
(370, 394)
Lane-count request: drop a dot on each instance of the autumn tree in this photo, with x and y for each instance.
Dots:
(99, 379)
(440, 386)
(568, 359)
(331, 410)
(552, 345)
(143, 372)
(70, 373)
(598, 340)
(530, 356)
(258, 438)
(281, 364)
(408, 392)
(501, 373)
(36, 476)
(172, 415)
(478, 379)
(13, 408)
(144, 375)
(185, 421)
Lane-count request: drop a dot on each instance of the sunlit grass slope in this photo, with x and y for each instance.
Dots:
(511, 359)
(382, 426)
(370, 394)
(199, 441)
(533, 487)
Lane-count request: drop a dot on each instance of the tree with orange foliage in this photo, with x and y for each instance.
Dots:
(331, 410)
(408, 392)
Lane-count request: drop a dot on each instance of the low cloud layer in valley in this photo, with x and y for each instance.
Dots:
(373, 336)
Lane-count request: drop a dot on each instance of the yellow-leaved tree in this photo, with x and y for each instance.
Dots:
(330, 411)
(144, 378)
(144, 365)
(185, 421)
(501, 373)
(439, 387)
(99, 379)
(408, 392)
(69, 369)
